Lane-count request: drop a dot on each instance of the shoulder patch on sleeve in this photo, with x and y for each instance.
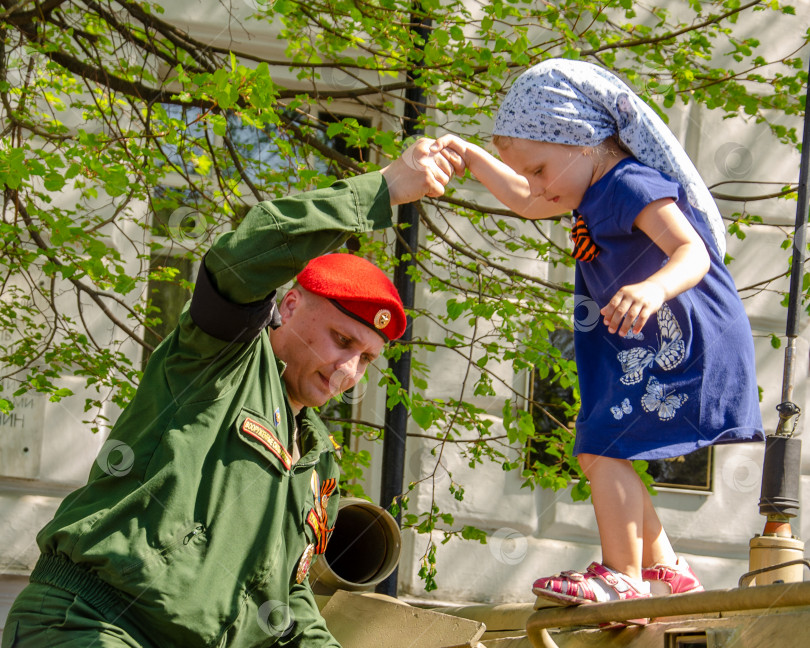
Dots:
(267, 439)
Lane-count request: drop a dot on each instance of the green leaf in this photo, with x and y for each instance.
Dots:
(424, 416)
(13, 169)
(54, 181)
(455, 309)
(218, 124)
(472, 533)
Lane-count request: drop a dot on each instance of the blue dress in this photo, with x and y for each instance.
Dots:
(687, 380)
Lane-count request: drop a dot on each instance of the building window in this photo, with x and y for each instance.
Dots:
(691, 472)
(177, 224)
(550, 406)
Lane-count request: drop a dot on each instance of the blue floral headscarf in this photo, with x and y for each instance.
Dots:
(578, 103)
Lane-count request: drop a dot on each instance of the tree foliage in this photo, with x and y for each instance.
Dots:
(112, 111)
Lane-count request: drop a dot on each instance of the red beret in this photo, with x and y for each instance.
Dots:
(358, 288)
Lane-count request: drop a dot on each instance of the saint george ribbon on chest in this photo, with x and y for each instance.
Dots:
(318, 521)
(317, 517)
(584, 247)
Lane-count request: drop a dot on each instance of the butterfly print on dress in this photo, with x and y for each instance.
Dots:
(669, 355)
(657, 400)
(620, 410)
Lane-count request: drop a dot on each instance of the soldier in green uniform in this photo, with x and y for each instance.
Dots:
(205, 538)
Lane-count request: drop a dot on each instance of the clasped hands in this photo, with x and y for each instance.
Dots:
(422, 170)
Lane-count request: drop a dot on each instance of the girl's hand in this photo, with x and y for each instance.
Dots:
(454, 149)
(508, 186)
(457, 162)
(632, 306)
(418, 172)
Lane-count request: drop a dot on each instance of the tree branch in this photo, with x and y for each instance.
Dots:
(670, 35)
(92, 293)
(509, 272)
(38, 13)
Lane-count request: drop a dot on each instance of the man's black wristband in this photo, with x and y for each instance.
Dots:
(225, 320)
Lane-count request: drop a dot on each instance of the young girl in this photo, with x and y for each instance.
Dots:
(672, 369)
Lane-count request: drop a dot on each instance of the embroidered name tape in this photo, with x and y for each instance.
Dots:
(268, 440)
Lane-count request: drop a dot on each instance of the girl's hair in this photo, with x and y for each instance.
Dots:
(620, 145)
(501, 141)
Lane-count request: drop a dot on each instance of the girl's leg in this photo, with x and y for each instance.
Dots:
(666, 573)
(619, 508)
(657, 550)
(631, 536)
(631, 533)
(621, 504)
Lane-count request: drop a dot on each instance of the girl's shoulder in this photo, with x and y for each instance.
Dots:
(629, 178)
(618, 197)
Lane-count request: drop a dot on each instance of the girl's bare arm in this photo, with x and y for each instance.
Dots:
(508, 186)
(688, 262)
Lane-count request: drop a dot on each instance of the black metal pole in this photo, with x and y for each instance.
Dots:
(800, 236)
(396, 418)
(779, 499)
(799, 257)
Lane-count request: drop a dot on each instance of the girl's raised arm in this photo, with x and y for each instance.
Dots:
(508, 186)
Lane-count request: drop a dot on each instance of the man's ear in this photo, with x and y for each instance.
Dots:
(291, 300)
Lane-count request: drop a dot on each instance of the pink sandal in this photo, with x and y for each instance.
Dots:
(671, 579)
(573, 588)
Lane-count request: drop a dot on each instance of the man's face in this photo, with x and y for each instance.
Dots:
(325, 350)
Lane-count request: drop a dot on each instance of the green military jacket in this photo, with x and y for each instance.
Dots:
(195, 530)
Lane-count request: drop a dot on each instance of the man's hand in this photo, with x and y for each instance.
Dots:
(420, 172)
